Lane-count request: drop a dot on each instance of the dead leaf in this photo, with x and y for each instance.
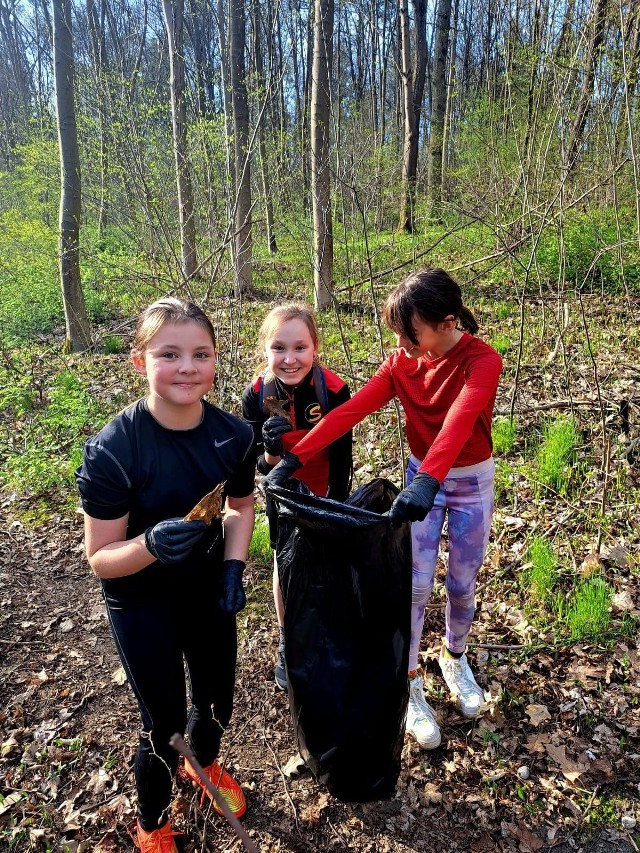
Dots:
(99, 781)
(616, 555)
(591, 565)
(528, 842)
(10, 800)
(537, 714)
(622, 602)
(569, 769)
(119, 676)
(313, 812)
(8, 746)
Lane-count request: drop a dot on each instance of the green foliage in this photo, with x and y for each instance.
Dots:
(502, 482)
(539, 578)
(501, 343)
(585, 251)
(112, 345)
(53, 431)
(503, 434)
(31, 297)
(588, 613)
(260, 547)
(556, 454)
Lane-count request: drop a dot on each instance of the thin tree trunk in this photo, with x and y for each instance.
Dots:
(597, 20)
(264, 165)
(320, 166)
(438, 105)
(99, 55)
(174, 24)
(408, 190)
(242, 160)
(77, 323)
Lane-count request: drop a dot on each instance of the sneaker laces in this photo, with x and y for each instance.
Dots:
(461, 674)
(419, 707)
(158, 841)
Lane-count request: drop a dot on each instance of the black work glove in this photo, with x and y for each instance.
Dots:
(173, 540)
(272, 431)
(283, 470)
(414, 502)
(233, 596)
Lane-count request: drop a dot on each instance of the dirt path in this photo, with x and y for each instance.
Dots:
(68, 730)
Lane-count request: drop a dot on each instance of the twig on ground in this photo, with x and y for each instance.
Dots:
(178, 743)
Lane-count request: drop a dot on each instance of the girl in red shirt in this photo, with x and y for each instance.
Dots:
(446, 380)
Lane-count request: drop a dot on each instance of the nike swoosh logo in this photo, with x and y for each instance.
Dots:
(220, 443)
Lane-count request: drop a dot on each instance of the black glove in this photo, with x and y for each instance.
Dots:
(272, 431)
(173, 540)
(233, 596)
(283, 470)
(414, 502)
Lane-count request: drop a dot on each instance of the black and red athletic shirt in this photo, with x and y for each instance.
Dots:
(328, 474)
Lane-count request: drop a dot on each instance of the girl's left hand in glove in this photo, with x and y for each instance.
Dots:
(415, 502)
(233, 595)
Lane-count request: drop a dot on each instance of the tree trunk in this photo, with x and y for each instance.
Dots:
(174, 24)
(242, 217)
(408, 191)
(77, 323)
(264, 165)
(320, 167)
(95, 20)
(597, 20)
(438, 106)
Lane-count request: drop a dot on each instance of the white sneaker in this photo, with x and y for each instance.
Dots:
(466, 692)
(421, 718)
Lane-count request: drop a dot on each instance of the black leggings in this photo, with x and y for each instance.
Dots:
(154, 637)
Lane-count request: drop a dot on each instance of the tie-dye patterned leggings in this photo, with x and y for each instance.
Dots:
(467, 498)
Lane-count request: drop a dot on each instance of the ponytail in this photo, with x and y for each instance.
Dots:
(467, 321)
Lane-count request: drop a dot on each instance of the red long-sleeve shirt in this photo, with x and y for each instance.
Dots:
(448, 404)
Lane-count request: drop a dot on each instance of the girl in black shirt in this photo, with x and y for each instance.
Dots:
(172, 588)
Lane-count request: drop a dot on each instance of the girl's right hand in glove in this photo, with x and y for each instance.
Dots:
(173, 540)
(272, 431)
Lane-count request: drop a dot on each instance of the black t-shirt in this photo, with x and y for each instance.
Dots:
(136, 466)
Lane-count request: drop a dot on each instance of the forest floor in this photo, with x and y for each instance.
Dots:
(554, 762)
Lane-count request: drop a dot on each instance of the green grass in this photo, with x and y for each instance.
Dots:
(540, 576)
(260, 547)
(501, 343)
(503, 433)
(588, 613)
(556, 453)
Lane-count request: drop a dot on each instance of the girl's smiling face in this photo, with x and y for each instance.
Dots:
(179, 362)
(290, 352)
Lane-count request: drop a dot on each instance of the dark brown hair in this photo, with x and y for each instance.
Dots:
(432, 294)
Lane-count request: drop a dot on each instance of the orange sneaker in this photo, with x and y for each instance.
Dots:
(224, 782)
(158, 841)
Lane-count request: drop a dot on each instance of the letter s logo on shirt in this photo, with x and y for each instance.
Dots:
(313, 413)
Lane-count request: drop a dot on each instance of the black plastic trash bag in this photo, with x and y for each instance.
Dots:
(345, 574)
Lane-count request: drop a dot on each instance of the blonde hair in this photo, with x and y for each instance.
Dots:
(280, 315)
(168, 310)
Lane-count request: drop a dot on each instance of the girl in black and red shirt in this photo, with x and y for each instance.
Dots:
(306, 391)
(446, 380)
